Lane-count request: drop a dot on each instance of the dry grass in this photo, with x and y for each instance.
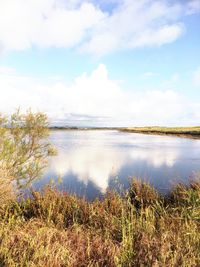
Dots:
(193, 132)
(141, 229)
(6, 187)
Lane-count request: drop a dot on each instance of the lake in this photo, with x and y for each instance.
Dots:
(91, 162)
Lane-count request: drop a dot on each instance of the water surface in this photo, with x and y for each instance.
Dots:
(92, 162)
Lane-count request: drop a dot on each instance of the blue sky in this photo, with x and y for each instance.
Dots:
(114, 62)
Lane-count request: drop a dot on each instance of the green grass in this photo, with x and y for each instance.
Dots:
(177, 131)
(142, 228)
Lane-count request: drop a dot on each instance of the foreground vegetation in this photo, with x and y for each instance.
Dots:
(24, 150)
(50, 228)
(141, 228)
(193, 132)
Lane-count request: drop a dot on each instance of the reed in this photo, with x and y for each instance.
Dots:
(142, 228)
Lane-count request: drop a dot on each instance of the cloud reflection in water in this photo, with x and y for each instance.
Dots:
(97, 156)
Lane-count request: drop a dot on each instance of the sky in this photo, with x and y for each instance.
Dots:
(102, 63)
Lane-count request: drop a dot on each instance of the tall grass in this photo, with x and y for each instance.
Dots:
(141, 228)
(6, 187)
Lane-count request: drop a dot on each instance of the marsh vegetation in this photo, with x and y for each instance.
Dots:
(51, 228)
(191, 132)
(140, 228)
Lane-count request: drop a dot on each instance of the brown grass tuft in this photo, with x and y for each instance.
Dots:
(142, 194)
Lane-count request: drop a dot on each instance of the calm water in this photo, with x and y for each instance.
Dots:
(91, 162)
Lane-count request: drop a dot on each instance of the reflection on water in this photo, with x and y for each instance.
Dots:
(89, 161)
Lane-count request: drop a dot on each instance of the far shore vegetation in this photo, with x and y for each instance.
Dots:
(189, 132)
(140, 227)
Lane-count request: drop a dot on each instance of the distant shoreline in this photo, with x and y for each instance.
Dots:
(84, 128)
(184, 132)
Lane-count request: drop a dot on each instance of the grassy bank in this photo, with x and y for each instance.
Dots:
(140, 229)
(191, 132)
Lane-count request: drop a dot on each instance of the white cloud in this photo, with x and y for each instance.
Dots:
(193, 6)
(6, 70)
(43, 23)
(86, 26)
(163, 35)
(95, 99)
(136, 24)
(196, 77)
